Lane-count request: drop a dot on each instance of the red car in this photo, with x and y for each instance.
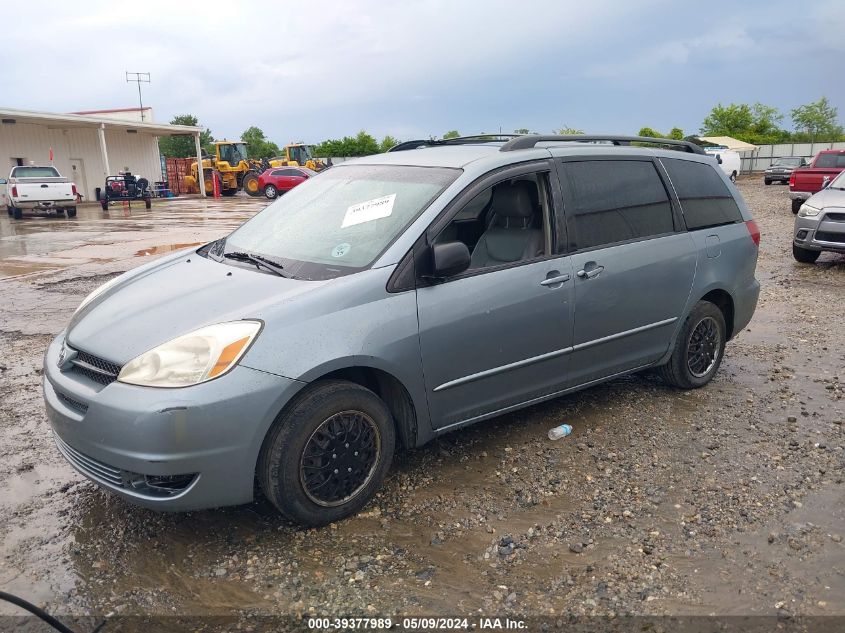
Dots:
(277, 181)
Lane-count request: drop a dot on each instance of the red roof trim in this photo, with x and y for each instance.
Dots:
(113, 110)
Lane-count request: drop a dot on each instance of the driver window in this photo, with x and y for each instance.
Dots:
(504, 224)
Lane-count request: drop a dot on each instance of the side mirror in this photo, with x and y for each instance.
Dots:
(449, 259)
(826, 182)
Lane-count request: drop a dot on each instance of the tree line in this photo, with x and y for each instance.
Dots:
(756, 123)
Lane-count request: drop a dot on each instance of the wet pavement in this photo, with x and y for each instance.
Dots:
(726, 500)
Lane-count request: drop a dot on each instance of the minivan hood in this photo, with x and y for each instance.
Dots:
(157, 303)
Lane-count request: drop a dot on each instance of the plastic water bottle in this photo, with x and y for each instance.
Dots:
(560, 431)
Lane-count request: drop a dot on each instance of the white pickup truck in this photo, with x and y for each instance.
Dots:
(38, 189)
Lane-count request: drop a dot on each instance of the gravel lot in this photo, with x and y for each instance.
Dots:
(727, 500)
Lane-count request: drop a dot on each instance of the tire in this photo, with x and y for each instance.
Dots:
(228, 193)
(250, 184)
(767, 181)
(804, 255)
(680, 371)
(9, 210)
(796, 205)
(271, 192)
(17, 213)
(282, 473)
(105, 204)
(71, 212)
(148, 203)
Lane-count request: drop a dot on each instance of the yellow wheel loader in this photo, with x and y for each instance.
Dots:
(235, 170)
(298, 155)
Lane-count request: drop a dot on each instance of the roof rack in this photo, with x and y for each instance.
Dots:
(459, 140)
(529, 141)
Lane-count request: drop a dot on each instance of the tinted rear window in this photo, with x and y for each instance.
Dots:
(35, 172)
(705, 199)
(830, 160)
(610, 201)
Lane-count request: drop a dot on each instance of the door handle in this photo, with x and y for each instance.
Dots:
(585, 273)
(554, 281)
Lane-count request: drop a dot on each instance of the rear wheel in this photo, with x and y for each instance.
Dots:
(17, 213)
(698, 349)
(229, 192)
(148, 203)
(71, 212)
(250, 184)
(805, 255)
(796, 205)
(328, 453)
(105, 204)
(270, 191)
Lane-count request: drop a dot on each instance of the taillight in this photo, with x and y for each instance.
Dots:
(754, 231)
(792, 179)
(73, 189)
(14, 192)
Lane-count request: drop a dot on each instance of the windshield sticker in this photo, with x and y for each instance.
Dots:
(368, 211)
(341, 249)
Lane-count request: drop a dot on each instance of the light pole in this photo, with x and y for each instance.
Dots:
(139, 78)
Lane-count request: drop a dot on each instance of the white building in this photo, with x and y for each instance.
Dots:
(87, 147)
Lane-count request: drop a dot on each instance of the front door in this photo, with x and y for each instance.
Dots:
(633, 265)
(499, 334)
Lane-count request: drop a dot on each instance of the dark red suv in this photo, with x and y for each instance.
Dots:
(274, 182)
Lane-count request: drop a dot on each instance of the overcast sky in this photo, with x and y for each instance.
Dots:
(316, 70)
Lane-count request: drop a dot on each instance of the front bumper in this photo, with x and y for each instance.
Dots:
(166, 449)
(821, 233)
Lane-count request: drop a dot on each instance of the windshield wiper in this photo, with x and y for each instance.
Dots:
(257, 260)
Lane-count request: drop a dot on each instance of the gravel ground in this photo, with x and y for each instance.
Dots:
(727, 500)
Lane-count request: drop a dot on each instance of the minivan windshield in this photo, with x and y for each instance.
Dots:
(341, 220)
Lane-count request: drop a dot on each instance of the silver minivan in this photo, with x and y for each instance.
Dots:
(394, 298)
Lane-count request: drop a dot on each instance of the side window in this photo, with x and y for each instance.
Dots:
(609, 201)
(278, 172)
(504, 224)
(830, 160)
(705, 199)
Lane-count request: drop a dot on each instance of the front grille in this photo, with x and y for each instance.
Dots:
(95, 368)
(89, 466)
(835, 217)
(152, 486)
(73, 404)
(826, 236)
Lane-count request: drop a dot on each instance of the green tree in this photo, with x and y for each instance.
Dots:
(184, 146)
(730, 120)
(676, 133)
(257, 145)
(817, 121)
(650, 132)
(451, 134)
(362, 144)
(387, 142)
(568, 130)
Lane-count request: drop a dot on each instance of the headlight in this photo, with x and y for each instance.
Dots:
(97, 293)
(806, 211)
(193, 358)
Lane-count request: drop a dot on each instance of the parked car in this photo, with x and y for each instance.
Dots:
(125, 187)
(40, 189)
(729, 161)
(782, 168)
(820, 223)
(806, 181)
(277, 181)
(393, 299)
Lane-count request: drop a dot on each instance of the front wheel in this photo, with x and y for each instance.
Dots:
(804, 255)
(796, 205)
(270, 191)
(698, 349)
(767, 181)
(250, 184)
(328, 453)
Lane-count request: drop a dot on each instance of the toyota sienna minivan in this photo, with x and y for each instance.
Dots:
(392, 299)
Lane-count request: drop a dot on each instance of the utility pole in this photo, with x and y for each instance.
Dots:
(139, 78)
